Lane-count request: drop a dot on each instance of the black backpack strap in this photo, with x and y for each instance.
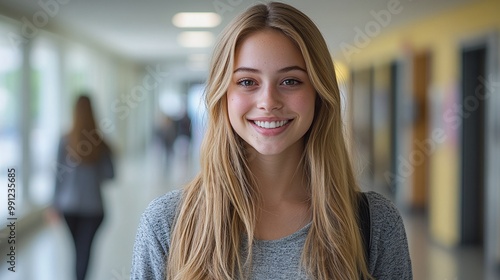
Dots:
(365, 223)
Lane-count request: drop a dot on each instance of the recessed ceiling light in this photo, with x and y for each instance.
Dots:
(184, 20)
(196, 39)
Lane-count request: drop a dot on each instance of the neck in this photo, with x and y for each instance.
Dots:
(280, 177)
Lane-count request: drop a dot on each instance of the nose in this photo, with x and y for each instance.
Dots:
(269, 99)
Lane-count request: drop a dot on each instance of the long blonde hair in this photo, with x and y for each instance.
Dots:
(219, 206)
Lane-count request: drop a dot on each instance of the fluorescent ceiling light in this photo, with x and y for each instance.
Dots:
(196, 20)
(196, 39)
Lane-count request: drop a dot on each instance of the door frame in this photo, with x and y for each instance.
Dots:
(491, 142)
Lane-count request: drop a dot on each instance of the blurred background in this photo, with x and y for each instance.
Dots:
(421, 88)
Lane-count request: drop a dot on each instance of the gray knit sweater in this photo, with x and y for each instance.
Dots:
(275, 259)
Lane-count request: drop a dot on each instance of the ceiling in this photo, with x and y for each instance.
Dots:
(143, 31)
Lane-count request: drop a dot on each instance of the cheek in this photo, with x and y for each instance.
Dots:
(237, 107)
(305, 106)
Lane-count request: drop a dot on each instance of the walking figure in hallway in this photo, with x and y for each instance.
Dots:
(83, 163)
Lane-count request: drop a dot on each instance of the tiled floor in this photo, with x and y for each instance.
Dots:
(47, 254)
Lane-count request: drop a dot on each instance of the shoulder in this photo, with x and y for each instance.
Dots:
(164, 204)
(389, 254)
(152, 240)
(157, 220)
(385, 218)
(63, 140)
(161, 212)
(382, 210)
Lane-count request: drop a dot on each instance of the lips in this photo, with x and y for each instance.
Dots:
(270, 126)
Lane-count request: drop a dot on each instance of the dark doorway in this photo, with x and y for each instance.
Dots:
(362, 116)
(420, 177)
(473, 117)
(395, 133)
(384, 127)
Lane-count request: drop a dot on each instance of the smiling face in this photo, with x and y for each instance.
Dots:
(270, 98)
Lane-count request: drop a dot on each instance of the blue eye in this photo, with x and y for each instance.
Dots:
(291, 82)
(246, 83)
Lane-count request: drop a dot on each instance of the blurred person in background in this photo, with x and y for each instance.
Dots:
(166, 134)
(84, 161)
(184, 126)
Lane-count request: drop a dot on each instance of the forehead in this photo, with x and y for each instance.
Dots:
(268, 47)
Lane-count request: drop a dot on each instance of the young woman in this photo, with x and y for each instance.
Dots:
(276, 196)
(84, 162)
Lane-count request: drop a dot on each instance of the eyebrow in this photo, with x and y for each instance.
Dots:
(282, 70)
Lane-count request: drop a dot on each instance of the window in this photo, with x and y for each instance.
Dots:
(44, 113)
(10, 117)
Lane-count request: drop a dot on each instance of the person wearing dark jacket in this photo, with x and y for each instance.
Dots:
(84, 161)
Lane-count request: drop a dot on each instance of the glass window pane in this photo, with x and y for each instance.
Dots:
(10, 125)
(44, 134)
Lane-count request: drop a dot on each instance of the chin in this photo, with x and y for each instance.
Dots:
(264, 151)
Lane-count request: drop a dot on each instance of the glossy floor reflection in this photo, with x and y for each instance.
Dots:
(47, 253)
(434, 262)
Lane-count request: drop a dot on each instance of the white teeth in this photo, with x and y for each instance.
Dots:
(274, 124)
